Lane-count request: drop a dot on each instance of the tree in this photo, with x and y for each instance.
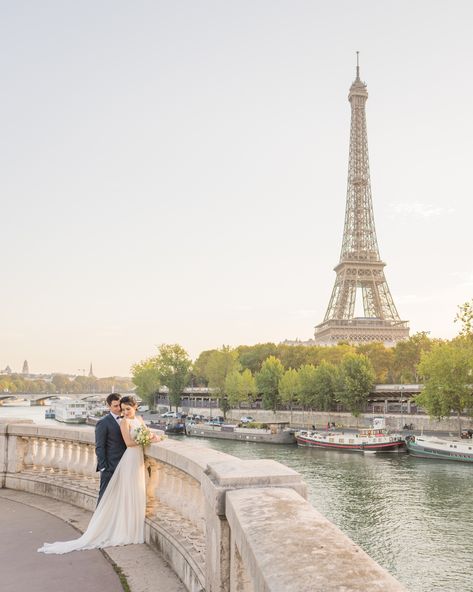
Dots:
(289, 388)
(465, 317)
(407, 355)
(355, 382)
(267, 382)
(146, 377)
(253, 356)
(62, 383)
(239, 387)
(173, 365)
(381, 357)
(448, 376)
(307, 385)
(325, 386)
(220, 364)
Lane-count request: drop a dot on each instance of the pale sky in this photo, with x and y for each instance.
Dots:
(175, 171)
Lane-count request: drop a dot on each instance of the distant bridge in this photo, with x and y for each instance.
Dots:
(381, 393)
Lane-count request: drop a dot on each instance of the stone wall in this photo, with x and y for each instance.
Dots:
(223, 524)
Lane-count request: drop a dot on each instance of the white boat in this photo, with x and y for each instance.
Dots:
(373, 439)
(70, 411)
(440, 448)
(16, 403)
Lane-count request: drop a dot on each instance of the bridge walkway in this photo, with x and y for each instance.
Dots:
(28, 520)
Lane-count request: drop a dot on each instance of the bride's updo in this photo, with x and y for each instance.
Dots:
(129, 400)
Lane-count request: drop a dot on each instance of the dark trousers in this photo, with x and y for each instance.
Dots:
(105, 477)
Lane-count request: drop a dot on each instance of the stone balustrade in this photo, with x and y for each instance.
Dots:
(223, 524)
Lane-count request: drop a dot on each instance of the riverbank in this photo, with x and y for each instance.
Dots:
(320, 419)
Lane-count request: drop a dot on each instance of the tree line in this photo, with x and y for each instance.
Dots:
(320, 378)
(63, 384)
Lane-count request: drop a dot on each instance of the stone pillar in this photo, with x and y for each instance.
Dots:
(221, 477)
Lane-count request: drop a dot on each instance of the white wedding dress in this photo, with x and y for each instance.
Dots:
(119, 518)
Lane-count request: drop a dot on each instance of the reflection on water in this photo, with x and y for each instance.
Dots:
(413, 516)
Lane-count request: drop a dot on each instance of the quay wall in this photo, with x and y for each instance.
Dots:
(306, 419)
(223, 524)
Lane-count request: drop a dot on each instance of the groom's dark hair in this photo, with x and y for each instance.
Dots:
(113, 397)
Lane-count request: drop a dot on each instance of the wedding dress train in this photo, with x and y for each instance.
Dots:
(120, 516)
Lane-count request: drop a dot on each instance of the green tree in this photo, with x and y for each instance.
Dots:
(407, 355)
(447, 371)
(146, 377)
(325, 386)
(239, 387)
(289, 388)
(253, 356)
(307, 386)
(382, 359)
(173, 365)
(465, 317)
(220, 364)
(267, 382)
(355, 382)
(62, 383)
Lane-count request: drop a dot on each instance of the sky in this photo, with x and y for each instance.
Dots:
(175, 171)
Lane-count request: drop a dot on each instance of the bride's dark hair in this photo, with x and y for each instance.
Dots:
(129, 400)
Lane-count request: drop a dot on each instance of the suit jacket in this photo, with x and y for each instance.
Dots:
(109, 443)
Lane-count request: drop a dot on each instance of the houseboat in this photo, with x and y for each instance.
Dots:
(70, 411)
(369, 440)
(272, 433)
(440, 449)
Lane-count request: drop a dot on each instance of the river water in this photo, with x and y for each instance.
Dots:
(413, 516)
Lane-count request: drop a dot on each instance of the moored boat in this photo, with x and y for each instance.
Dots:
(70, 411)
(440, 448)
(374, 439)
(273, 433)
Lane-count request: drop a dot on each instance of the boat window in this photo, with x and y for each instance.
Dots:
(351, 441)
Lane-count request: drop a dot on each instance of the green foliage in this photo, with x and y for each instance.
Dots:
(325, 386)
(465, 317)
(219, 365)
(381, 358)
(289, 387)
(173, 364)
(267, 382)
(251, 357)
(355, 382)
(448, 374)
(307, 385)
(146, 377)
(239, 387)
(407, 355)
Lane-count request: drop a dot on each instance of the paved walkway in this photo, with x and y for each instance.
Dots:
(28, 520)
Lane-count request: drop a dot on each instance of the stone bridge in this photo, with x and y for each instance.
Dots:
(223, 524)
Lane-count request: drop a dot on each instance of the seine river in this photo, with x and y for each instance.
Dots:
(413, 516)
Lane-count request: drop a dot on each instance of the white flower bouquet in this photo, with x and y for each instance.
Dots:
(143, 436)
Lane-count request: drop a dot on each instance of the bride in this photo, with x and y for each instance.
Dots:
(120, 515)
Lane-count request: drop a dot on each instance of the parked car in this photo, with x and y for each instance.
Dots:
(216, 421)
(168, 414)
(246, 419)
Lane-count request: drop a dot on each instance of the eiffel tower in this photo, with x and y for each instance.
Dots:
(360, 267)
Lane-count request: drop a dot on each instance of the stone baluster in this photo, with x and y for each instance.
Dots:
(83, 460)
(49, 459)
(74, 461)
(32, 444)
(92, 463)
(41, 454)
(66, 458)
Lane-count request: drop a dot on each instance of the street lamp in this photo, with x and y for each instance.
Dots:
(402, 393)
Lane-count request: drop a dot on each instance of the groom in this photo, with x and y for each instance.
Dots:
(109, 443)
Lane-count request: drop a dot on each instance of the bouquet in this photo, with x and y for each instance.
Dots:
(142, 436)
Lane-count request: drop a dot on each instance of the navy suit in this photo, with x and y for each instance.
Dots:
(109, 448)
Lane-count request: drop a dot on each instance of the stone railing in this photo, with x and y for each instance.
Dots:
(224, 524)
